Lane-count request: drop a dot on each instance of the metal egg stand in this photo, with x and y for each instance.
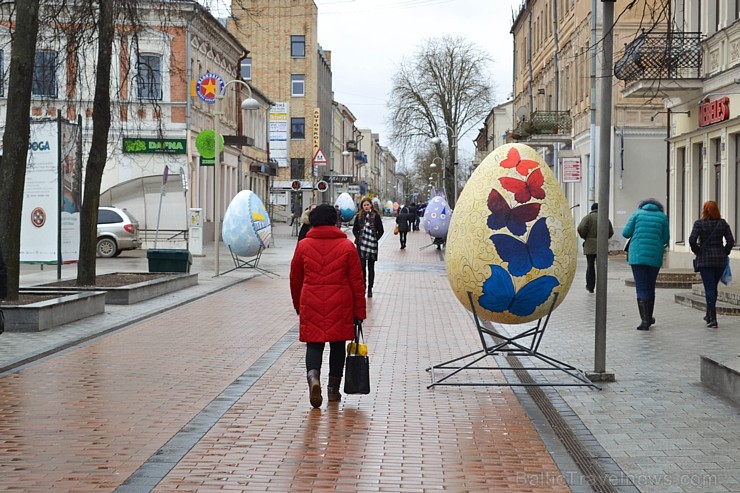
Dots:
(509, 346)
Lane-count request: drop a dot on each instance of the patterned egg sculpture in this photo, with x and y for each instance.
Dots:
(247, 227)
(512, 242)
(346, 206)
(437, 217)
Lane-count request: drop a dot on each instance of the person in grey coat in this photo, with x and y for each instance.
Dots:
(706, 240)
(587, 230)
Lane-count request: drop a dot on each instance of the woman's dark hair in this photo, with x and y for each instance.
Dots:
(323, 215)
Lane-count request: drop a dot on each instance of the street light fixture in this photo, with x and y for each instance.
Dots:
(436, 141)
(248, 104)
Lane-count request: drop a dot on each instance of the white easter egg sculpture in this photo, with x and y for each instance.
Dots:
(437, 217)
(247, 227)
(346, 206)
(511, 243)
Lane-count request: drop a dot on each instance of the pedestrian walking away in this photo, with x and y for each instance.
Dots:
(338, 224)
(412, 218)
(328, 295)
(587, 229)
(305, 224)
(711, 241)
(404, 220)
(648, 231)
(367, 230)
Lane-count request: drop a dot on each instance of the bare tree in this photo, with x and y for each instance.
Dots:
(444, 89)
(16, 136)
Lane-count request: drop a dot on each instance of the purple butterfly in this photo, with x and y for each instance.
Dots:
(502, 215)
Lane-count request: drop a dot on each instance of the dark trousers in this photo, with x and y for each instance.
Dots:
(402, 236)
(590, 272)
(315, 353)
(645, 277)
(368, 271)
(710, 277)
(416, 223)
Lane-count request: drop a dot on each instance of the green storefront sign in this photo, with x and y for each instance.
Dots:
(207, 161)
(154, 146)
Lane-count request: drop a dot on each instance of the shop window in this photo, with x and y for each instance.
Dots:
(697, 176)
(715, 170)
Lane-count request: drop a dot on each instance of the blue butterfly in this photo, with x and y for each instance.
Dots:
(499, 296)
(523, 256)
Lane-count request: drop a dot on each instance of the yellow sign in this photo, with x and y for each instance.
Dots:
(316, 128)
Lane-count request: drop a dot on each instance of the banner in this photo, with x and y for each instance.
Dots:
(51, 194)
(279, 128)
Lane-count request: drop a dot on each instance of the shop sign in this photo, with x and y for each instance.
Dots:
(571, 169)
(714, 111)
(153, 146)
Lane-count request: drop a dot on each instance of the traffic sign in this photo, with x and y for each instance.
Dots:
(322, 186)
(295, 185)
(319, 158)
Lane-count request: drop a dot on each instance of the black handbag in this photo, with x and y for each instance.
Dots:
(357, 366)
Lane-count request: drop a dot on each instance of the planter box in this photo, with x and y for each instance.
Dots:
(169, 260)
(134, 293)
(68, 307)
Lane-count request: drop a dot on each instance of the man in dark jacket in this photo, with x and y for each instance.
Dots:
(587, 230)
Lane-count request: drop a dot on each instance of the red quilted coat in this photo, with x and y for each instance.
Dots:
(327, 286)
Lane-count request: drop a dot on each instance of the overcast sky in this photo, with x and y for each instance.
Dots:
(369, 38)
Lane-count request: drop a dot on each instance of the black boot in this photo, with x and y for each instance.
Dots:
(314, 387)
(706, 316)
(370, 292)
(712, 318)
(642, 305)
(651, 305)
(332, 390)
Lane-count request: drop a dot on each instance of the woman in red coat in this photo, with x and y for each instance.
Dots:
(328, 294)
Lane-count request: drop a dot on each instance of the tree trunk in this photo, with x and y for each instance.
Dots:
(98, 149)
(15, 139)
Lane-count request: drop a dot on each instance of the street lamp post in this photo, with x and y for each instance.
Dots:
(436, 141)
(248, 104)
(433, 165)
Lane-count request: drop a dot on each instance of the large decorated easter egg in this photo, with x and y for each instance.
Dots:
(512, 241)
(246, 228)
(346, 206)
(437, 217)
(388, 207)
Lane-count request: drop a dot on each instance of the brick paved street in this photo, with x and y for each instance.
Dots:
(210, 395)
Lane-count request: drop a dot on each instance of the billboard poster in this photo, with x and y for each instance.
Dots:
(51, 195)
(279, 127)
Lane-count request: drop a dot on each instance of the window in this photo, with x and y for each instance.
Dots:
(108, 217)
(149, 76)
(697, 171)
(715, 177)
(297, 168)
(45, 74)
(297, 85)
(737, 9)
(246, 68)
(297, 128)
(298, 46)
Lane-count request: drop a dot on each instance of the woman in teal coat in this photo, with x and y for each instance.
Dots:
(648, 231)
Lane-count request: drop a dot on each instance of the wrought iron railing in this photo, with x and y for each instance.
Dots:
(661, 55)
(542, 123)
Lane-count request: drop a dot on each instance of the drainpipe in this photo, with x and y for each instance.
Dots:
(188, 105)
(556, 146)
(592, 145)
(529, 64)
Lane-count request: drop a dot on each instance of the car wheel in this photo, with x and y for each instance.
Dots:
(106, 248)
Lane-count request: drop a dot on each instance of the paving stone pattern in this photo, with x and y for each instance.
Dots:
(98, 416)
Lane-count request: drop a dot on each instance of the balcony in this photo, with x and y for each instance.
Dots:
(661, 64)
(549, 126)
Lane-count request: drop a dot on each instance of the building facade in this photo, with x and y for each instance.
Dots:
(555, 106)
(695, 69)
(156, 117)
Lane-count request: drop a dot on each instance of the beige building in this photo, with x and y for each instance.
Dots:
(288, 64)
(555, 106)
(695, 71)
(493, 134)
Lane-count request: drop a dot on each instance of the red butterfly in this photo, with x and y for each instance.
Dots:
(524, 190)
(513, 159)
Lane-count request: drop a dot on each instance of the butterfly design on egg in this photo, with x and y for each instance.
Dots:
(521, 255)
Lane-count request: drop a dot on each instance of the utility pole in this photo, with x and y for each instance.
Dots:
(602, 236)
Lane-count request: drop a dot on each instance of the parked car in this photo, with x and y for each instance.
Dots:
(118, 230)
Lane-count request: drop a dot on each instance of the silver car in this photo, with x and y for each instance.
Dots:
(118, 230)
